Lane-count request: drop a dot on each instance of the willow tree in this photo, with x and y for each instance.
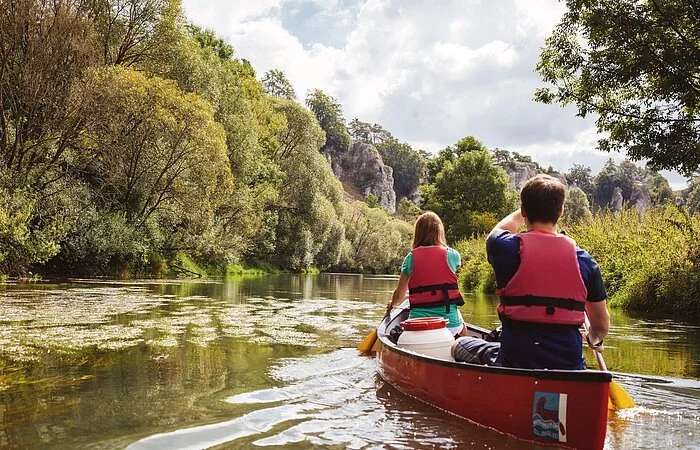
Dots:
(149, 146)
(309, 228)
(44, 47)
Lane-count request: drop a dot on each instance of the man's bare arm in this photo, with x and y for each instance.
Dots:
(599, 318)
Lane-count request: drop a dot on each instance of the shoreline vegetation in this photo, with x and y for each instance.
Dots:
(163, 154)
(650, 261)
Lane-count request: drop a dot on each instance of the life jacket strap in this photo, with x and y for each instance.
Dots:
(434, 288)
(536, 326)
(549, 302)
(459, 301)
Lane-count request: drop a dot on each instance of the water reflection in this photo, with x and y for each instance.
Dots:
(269, 361)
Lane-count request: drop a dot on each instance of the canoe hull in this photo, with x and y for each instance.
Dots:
(561, 408)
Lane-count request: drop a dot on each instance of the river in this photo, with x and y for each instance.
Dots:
(270, 362)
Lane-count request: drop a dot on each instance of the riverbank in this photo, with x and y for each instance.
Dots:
(650, 261)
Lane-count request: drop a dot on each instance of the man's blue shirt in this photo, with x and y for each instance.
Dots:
(527, 347)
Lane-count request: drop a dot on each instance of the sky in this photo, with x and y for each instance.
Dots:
(430, 72)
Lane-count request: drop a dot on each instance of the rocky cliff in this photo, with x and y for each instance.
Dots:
(520, 171)
(362, 166)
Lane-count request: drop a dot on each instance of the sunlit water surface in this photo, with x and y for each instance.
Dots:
(269, 362)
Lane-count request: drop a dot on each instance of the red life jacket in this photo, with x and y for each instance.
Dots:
(432, 282)
(547, 288)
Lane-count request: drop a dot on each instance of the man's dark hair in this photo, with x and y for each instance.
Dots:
(542, 198)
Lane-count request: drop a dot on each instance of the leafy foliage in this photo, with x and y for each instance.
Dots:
(329, 114)
(44, 47)
(635, 65)
(149, 146)
(580, 176)
(451, 153)
(632, 181)
(276, 84)
(468, 192)
(693, 196)
(576, 207)
(369, 133)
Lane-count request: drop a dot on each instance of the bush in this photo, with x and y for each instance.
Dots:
(22, 245)
(103, 244)
(649, 261)
(476, 273)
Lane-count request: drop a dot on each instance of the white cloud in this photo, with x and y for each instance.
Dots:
(224, 15)
(429, 72)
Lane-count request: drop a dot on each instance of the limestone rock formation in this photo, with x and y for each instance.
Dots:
(640, 199)
(519, 172)
(616, 200)
(362, 166)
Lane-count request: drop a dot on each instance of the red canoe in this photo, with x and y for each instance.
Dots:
(563, 408)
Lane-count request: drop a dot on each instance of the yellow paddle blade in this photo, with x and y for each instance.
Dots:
(368, 342)
(375, 347)
(619, 398)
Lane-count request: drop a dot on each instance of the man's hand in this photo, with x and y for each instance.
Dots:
(592, 344)
(389, 307)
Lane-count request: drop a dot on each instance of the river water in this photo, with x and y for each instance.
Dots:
(270, 362)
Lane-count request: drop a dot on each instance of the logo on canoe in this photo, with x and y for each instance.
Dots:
(549, 416)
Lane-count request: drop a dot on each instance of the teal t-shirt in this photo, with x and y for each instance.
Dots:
(454, 260)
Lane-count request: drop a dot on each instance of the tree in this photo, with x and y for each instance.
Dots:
(635, 65)
(632, 180)
(451, 153)
(44, 47)
(378, 242)
(468, 193)
(329, 114)
(202, 63)
(580, 176)
(658, 187)
(407, 211)
(209, 40)
(129, 31)
(369, 133)
(693, 196)
(276, 83)
(309, 229)
(148, 146)
(576, 207)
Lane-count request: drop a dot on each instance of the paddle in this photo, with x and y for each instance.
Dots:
(367, 344)
(370, 344)
(619, 398)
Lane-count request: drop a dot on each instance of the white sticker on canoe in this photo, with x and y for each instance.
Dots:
(549, 416)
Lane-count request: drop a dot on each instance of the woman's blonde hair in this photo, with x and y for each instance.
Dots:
(429, 231)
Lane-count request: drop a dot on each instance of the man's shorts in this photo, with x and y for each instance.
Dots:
(476, 351)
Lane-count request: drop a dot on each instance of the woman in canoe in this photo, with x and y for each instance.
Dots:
(428, 274)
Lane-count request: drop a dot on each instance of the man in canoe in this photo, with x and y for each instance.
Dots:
(545, 284)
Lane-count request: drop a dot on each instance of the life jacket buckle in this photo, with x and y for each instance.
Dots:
(550, 309)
